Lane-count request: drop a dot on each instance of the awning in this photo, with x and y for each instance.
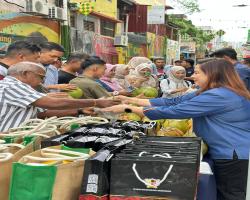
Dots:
(108, 18)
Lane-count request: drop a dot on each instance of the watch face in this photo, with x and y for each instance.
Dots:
(128, 110)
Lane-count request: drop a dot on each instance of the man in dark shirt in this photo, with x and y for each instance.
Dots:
(93, 68)
(230, 55)
(188, 64)
(71, 68)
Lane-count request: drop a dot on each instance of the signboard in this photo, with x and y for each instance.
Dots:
(172, 51)
(104, 48)
(188, 47)
(156, 15)
(137, 50)
(156, 45)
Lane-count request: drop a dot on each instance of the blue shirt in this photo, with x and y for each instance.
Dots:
(220, 117)
(244, 73)
(106, 87)
(51, 76)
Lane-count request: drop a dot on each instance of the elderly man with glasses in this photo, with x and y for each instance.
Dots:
(19, 101)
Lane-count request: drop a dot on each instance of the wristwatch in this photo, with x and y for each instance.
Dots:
(127, 110)
(80, 112)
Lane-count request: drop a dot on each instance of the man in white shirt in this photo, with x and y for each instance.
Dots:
(19, 101)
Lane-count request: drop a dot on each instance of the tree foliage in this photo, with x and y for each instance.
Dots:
(188, 6)
(197, 35)
(220, 33)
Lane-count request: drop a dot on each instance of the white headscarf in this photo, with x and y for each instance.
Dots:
(120, 69)
(180, 83)
(141, 67)
(135, 61)
(120, 77)
(151, 82)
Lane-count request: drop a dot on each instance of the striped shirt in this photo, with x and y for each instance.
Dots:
(16, 98)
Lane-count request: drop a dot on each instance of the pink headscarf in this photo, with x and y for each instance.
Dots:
(110, 81)
(109, 67)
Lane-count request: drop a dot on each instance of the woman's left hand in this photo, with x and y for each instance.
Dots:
(116, 109)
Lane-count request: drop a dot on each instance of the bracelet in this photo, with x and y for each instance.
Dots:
(95, 103)
(115, 93)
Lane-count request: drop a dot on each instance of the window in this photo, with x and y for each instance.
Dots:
(107, 28)
(59, 3)
(89, 26)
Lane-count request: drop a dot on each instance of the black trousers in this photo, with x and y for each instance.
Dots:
(231, 179)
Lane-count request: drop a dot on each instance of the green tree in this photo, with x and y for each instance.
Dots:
(220, 33)
(187, 28)
(188, 6)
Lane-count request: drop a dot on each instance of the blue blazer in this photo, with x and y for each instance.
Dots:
(220, 117)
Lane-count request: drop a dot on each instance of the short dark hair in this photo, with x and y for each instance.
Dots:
(92, 60)
(77, 56)
(231, 53)
(190, 61)
(205, 60)
(247, 60)
(49, 46)
(159, 58)
(21, 46)
(177, 61)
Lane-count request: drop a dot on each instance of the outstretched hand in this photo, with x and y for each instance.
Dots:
(103, 103)
(66, 87)
(115, 109)
(59, 95)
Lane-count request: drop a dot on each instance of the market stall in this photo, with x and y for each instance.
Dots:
(98, 158)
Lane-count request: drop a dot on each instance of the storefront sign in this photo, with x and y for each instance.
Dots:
(5, 39)
(104, 47)
(188, 47)
(156, 15)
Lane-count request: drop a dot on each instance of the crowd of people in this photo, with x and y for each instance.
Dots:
(214, 93)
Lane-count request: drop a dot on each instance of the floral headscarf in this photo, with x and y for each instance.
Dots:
(112, 83)
(135, 61)
(151, 82)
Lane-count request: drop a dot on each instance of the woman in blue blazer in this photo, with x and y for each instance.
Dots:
(220, 110)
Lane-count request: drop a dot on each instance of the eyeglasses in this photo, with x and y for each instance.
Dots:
(41, 76)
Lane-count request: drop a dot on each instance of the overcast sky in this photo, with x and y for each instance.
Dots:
(220, 14)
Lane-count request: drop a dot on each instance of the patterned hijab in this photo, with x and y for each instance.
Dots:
(151, 82)
(135, 61)
(112, 83)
